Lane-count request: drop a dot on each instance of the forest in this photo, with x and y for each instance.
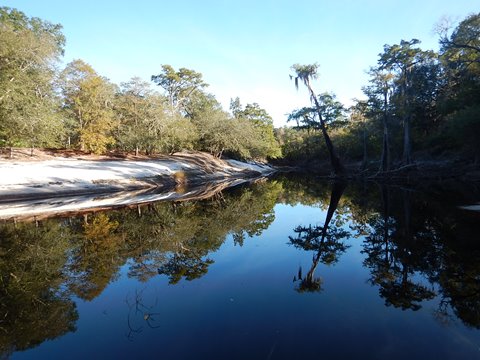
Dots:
(418, 105)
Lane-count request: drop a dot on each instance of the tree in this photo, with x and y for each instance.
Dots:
(199, 102)
(304, 118)
(179, 85)
(402, 59)
(358, 114)
(88, 100)
(178, 133)
(264, 144)
(463, 44)
(30, 49)
(295, 143)
(135, 107)
(333, 111)
(305, 73)
(379, 94)
(218, 133)
(236, 107)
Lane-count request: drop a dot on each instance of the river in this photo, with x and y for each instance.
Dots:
(286, 268)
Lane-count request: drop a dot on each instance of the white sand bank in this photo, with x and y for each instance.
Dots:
(24, 183)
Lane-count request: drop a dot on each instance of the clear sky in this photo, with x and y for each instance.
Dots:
(244, 47)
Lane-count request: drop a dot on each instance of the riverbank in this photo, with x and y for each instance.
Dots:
(421, 170)
(49, 176)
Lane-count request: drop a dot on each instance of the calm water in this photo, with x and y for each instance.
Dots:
(284, 269)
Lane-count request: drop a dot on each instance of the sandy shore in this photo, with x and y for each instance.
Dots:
(65, 184)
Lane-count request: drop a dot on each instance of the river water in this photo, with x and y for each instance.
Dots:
(287, 268)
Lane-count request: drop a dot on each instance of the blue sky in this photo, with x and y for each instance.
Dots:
(244, 48)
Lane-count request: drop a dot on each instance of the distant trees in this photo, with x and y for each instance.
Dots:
(29, 51)
(416, 101)
(78, 108)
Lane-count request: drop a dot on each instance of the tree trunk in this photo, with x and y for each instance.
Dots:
(407, 211)
(385, 159)
(406, 158)
(136, 150)
(307, 150)
(337, 165)
(337, 191)
(365, 159)
(406, 141)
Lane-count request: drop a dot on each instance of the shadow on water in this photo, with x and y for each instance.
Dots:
(416, 246)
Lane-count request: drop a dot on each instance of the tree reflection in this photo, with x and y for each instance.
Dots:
(415, 249)
(188, 264)
(394, 254)
(98, 256)
(34, 306)
(325, 241)
(139, 313)
(44, 264)
(460, 285)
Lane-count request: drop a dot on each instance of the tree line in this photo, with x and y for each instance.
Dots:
(416, 101)
(43, 105)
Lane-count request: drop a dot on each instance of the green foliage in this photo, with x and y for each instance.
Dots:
(263, 143)
(146, 125)
(88, 100)
(304, 73)
(304, 118)
(299, 144)
(460, 131)
(134, 108)
(460, 56)
(178, 133)
(30, 49)
(413, 99)
(199, 102)
(179, 85)
(332, 110)
(218, 133)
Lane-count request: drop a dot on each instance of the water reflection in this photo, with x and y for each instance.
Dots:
(34, 304)
(140, 315)
(416, 246)
(396, 251)
(325, 241)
